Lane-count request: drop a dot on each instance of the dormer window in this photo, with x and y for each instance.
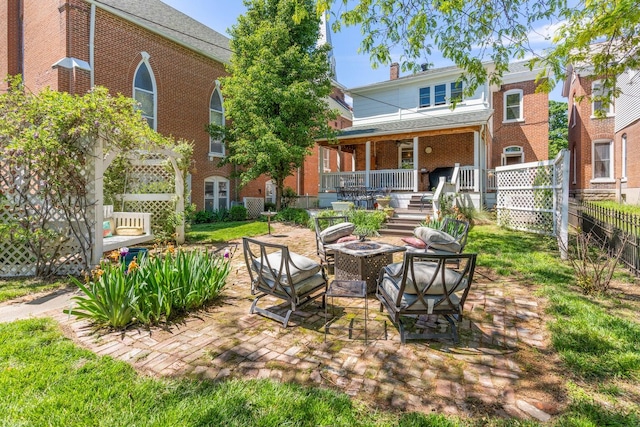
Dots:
(440, 94)
(425, 97)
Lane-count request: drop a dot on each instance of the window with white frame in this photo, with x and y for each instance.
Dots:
(603, 159)
(326, 159)
(624, 158)
(513, 110)
(144, 90)
(599, 101)
(216, 193)
(512, 155)
(216, 117)
(440, 94)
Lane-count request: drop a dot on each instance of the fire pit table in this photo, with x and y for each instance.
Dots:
(362, 260)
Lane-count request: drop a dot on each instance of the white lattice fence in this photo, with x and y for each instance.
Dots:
(254, 206)
(534, 196)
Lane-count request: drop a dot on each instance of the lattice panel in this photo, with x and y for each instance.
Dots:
(150, 175)
(254, 206)
(540, 176)
(29, 196)
(533, 221)
(157, 208)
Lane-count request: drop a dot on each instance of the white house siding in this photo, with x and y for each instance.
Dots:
(628, 103)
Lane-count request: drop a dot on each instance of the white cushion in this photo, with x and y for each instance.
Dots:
(423, 273)
(333, 233)
(300, 268)
(436, 239)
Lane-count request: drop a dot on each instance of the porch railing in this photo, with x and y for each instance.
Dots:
(393, 179)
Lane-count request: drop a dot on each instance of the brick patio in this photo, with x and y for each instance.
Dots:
(481, 374)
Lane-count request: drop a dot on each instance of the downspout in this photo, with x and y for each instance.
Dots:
(92, 37)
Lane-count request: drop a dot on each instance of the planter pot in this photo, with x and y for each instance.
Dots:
(389, 212)
(137, 253)
(383, 202)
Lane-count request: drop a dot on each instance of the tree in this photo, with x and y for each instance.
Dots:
(558, 128)
(472, 32)
(275, 95)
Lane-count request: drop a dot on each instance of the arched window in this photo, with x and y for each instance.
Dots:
(216, 193)
(512, 155)
(216, 117)
(623, 173)
(144, 90)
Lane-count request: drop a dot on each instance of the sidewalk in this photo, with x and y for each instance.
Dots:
(48, 304)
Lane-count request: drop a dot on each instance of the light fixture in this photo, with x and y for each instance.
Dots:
(428, 150)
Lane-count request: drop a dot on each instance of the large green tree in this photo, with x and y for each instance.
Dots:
(558, 127)
(471, 32)
(276, 94)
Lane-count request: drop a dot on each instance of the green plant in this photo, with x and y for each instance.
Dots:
(220, 215)
(152, 289)
(295, 215)
(289, 197)
(202, 217)
(237, 213)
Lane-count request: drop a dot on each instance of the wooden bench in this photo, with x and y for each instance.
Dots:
(128, 221)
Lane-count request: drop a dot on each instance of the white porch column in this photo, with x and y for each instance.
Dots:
(477, 167)
(98, 188)
(321, 168)
(179, 181)
(339, 159)
(367, 168)
(416, 156)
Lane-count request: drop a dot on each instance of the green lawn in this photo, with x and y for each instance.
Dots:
(46, 380)
(16, 288)
(220, 232)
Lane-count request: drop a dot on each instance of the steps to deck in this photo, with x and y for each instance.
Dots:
(405, 220)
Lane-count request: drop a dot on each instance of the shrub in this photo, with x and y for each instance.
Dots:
(151, 290)
(269, 206)
(295, 215)
(289, 197)
(202, 217)
(367, 222)
(238, 213)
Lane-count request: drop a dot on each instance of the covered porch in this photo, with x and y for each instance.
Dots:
(412, 160)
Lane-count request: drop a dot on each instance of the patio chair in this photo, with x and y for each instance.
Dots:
(423, 285)
(329, 230)
(277, 272)
(451, 237)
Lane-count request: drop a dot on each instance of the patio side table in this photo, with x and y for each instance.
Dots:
(347, 289)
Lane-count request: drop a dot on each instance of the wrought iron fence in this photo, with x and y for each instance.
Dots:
(616, 228)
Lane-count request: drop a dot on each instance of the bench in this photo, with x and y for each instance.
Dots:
(128, 229)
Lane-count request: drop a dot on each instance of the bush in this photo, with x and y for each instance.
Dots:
(289, 197)
(269, 206)
(367, 222)
(295, 215)
(202, 217)
(238, 213)
(151, 290)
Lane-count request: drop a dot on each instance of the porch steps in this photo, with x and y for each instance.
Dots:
(415, 203)
(403, 222)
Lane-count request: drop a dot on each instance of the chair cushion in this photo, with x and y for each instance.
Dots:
(306, 286)
(424, 271)
(411, 301)
(333, 233)
(300, 268)
(129, 231)
(437, 239)
(414, 242)
(345, 239)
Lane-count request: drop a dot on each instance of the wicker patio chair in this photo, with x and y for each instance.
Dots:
(277, 272)
(423, 285)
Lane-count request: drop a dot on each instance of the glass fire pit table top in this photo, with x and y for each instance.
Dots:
(365, 248)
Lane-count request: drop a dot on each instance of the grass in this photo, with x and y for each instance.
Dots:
(608, 204)
(46, 380)
(16, 288)
(220, 232)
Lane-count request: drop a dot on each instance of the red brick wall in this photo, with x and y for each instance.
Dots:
(10, 40)
(632, 133)
(585, 130)
(532, 134)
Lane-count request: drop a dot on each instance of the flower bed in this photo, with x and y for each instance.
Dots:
(152, 289)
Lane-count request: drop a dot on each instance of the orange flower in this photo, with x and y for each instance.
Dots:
(170, 250)
(114, 256)
(133, 265)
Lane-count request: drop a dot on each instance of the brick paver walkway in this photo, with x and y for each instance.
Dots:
(481, 374)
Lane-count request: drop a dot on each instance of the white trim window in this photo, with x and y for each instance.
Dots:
(512, 155)
(602, 161)
(623, 157)
(326, 159)
(216, 117)
(216, 193)
(144, 91)
(440, 94)
(513, 106)
(598, 101)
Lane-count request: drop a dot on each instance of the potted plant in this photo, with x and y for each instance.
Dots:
(384, 200)
(365, 230)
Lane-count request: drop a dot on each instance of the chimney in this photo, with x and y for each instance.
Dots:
(394, 72)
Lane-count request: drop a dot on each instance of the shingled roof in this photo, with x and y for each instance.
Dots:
(171, 23)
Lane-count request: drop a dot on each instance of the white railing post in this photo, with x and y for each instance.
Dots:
(367, 169)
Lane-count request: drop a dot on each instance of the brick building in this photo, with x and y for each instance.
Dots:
(605, 159)
(406, 133)
(147, 50)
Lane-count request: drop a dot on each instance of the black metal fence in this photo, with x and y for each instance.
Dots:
(615, 228)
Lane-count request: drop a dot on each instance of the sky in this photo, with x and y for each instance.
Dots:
(353, 69)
